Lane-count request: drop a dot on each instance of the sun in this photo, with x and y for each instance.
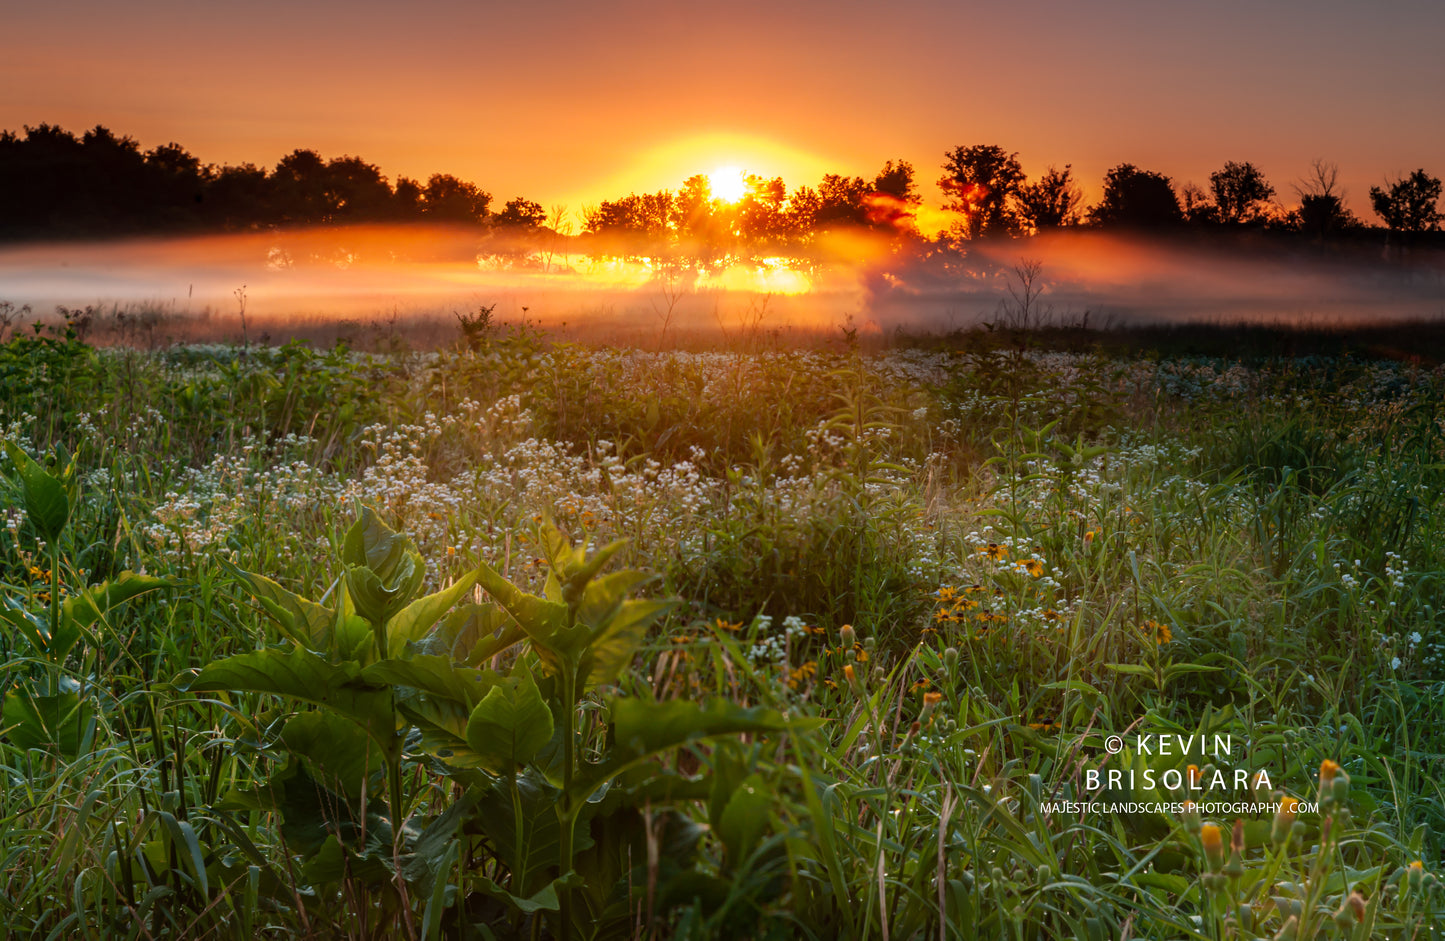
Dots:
(727, 184)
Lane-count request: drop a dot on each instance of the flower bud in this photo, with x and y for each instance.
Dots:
(950, 659)
(1191, 817)
(855, 684)
(930, 702)
(1283, 819)
(1213, 841)
(849, 636)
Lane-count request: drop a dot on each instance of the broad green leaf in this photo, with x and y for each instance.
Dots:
(576, 576)
(543, 620)
(58, 721)
(471, 633)
(303, 622)
(413, 621)
(31, 627)
(511, 724)
(745, 818)
(83, 610)
(434, 676)
(47, 500)
(642, 728)
(612, 649)
(370, 543)
(604, 595)
(339, 754)
(303, 675)
(379, 600)
(544, 900)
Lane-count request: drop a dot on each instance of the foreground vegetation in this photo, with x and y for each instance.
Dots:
(304, 643)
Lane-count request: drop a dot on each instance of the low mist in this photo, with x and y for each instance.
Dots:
(308, 282)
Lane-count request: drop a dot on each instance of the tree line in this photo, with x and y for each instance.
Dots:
(53, 183)
(56, 184)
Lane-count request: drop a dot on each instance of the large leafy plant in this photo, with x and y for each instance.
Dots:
(509, 699)
(49, 707)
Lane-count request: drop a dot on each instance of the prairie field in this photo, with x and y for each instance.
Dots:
(985, 635)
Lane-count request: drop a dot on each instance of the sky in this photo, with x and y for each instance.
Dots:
(575, 101)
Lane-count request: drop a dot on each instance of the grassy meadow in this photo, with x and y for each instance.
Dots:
(522, 639)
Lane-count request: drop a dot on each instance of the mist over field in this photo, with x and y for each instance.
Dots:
(366, 272)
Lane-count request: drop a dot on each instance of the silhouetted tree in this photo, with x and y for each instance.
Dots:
(1322, 210)
(896, 180)
(407, 198)
(1135, 198)
(759, 217)
(1196, 206)
(448, 199)
(358, 190)
(647, 216)
(842, 202)
(1053, 201)
(240, 197)
(1241, 192)
(301, 189)
(1409, 205)
(803, 209)
(521, 213)
(980, 181)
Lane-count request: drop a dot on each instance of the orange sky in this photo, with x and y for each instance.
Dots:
(566, 101)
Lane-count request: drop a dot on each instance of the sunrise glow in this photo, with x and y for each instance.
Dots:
(728, 184)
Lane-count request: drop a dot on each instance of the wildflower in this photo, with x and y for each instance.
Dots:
(855, 684)
(1283, 819)
(1213, 842)
(1034, 567)
(1159, 633)
(1090, 534)
(850, 638)
(1394, 663)
(930, 702)
(1192, 772)
(733, 626)
(946, 593)
(922, 683)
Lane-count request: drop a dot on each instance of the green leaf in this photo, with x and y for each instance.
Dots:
(642, 728)
(435, 676)
(544, 621)
(612, 649)
(576, 576)
(411, 622)
(338, 753)
(1135, 669)
(46, 722)
(301, 674)
(302, 621)
(379, 600)
(83, 610)
(511, 724)
(371, 544)
(605, 595)
(745, 818)
(47, 500)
